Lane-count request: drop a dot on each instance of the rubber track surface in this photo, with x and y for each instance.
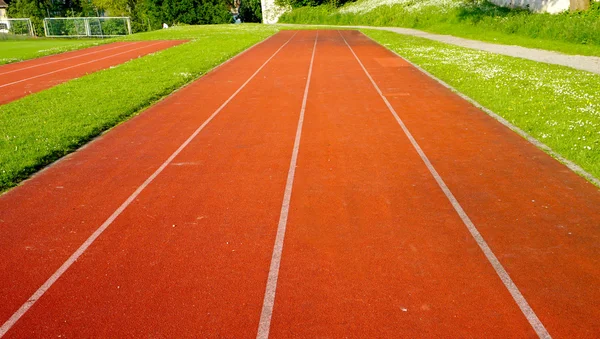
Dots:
(373, 247)
(23, 78)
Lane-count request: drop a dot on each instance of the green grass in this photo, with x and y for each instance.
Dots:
(203, 32)
(45, 126)
(571, 33)
(14, 50)
(483, 34)
(557, 105)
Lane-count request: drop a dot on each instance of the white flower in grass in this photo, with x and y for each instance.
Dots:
(408, 5)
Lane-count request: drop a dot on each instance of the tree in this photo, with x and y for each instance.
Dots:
(250, 11)
(37, 10)
(117, 7)
(213, 12)
(194, 12)
(32, 9)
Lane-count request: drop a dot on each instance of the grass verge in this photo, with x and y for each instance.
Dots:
(570, 33)
(45, 126)
(557, 105)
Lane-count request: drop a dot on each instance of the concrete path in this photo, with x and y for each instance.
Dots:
(585, 63)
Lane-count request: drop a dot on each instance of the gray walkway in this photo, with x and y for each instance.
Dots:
(585, 63)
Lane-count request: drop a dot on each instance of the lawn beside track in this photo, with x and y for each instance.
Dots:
(42, 127)
(557, 105)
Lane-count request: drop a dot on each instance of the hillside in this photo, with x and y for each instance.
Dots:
(568, 32)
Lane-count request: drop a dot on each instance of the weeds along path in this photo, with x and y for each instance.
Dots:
(316, 186)
(23, 78)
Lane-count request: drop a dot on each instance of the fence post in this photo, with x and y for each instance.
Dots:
(87, 27)
(45, 27)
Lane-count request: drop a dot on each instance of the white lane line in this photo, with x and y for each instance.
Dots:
(73, 258)
(269, 300)
(81, 64)
(73, 57)
(493, 260)
(574, 167)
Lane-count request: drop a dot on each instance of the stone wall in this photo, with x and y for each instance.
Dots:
(549, 6)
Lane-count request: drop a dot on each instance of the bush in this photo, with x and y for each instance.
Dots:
(250, 11)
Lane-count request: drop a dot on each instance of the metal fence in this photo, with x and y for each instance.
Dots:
(16, 26)
(87, 27)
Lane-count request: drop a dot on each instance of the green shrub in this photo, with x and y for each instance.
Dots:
(250, 11)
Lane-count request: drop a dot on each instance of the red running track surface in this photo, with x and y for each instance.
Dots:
(23, 78)
(373, 245)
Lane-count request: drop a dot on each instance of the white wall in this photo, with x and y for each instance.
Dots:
(550, 6)
(270, 11)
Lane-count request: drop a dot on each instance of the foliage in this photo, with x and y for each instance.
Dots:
(117, 7)
(311, 3)
(190, 12)
(33, 9)
(145, 14)
(37, 10)
(250, 11)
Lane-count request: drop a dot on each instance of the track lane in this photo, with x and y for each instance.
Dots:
(59, 58)
(373, 247)
(189, 257)
(271, 286)
(32, 63)
(16, 85)
(541, 219)
(36, 236)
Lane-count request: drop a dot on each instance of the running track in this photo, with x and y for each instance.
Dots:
(23, 78)
(406, 211)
